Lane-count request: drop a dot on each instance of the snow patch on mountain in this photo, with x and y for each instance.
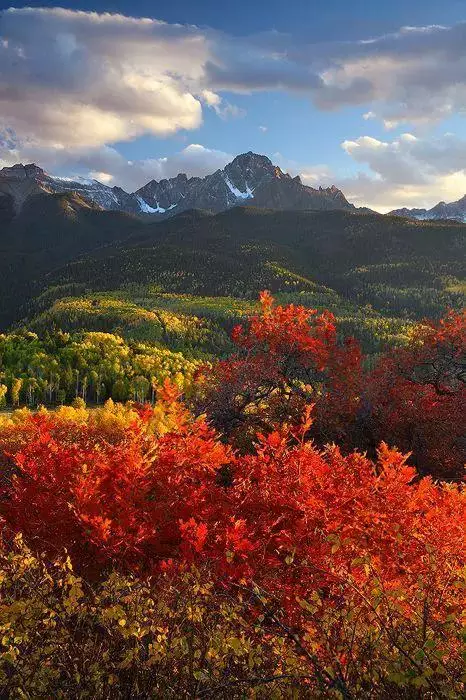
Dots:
(234, 190)
(147, 209)
(78, 179)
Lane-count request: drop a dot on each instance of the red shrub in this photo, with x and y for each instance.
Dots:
(143, 500)
(326, 546)
(418, 397)
(288, 357)
(120, 501)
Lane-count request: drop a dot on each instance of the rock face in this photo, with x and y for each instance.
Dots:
(250, 179)
(455, 211)
(20, 182)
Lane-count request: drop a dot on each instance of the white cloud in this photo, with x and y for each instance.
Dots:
(221, 107)
(76, 79)
(383, 196)
(416, 74)
(107, 165)
(264, 129)
(409, 159)
(105, 178)
(407, 171)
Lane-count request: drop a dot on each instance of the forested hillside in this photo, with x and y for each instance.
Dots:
(400, 267)
(385, 261)
(72, 271)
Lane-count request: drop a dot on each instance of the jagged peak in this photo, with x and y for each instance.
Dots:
(181, 177)
(249, 176)
(250, 158)
(20, 171)
(248, 155)
(331, 188)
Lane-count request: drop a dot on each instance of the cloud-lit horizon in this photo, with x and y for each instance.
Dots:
(76, 85)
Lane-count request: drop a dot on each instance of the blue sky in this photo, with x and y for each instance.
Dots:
(327, 90)
(336, 20)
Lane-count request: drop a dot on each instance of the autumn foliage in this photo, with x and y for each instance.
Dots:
(288, 357)
(418, 396)
(346, 569)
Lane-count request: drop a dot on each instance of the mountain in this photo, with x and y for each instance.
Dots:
(455, 211)
(250, 179)
(47, 230)
(20, 182)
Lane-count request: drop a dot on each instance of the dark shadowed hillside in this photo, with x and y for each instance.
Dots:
(239, 252)
(413, 269)
(49, 231)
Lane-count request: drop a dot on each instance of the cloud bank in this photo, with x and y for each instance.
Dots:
(407, 171)
(103, 78)
(73, 84)
(77, 79)
(107, 165)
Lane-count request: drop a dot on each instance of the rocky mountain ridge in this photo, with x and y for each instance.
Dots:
(250, 179)
(454, 211)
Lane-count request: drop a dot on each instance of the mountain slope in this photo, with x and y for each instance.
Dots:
(384, 261)
(50, 230)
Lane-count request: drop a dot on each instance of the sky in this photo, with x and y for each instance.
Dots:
(370, 97)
